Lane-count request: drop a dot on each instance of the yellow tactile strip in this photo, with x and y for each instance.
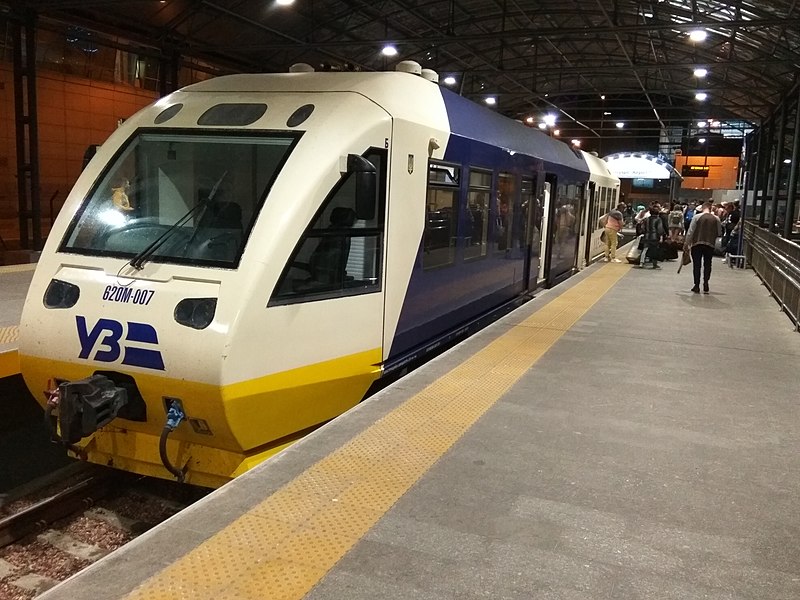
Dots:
(283, 546)
(17, 268)
(9, 335)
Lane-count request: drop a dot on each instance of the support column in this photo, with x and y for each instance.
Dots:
(791, 191)
(767, 157)
(755, 179)
(23, 32)
(776, 177)
(168, 73)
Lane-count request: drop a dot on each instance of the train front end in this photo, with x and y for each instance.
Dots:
(162, 330)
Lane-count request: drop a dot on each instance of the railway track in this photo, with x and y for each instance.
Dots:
(79, 496)
(49, 534)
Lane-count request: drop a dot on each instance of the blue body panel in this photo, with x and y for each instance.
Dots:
(442, 299)
(472, 121)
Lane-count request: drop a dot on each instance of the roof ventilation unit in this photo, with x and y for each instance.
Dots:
(301, 68)
(430, 75)
(409, 66)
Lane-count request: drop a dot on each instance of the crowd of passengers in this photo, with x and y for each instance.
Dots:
(662, 230)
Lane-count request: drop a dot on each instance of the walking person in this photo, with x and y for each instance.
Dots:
(654, 234)
(701, 237)
(675, 219)
(612, 226)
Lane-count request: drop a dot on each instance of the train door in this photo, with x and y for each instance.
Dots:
(530, 237)
(588, 225)
(563, 238)
(544, 261)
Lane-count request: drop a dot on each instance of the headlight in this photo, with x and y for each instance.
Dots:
(196, 313)
(60, 294)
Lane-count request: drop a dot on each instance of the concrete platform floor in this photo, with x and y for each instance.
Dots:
(652, 452)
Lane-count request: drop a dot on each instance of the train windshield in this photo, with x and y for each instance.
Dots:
(180, 197)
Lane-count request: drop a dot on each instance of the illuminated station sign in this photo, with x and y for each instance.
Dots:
(629, 165)
(695, 170)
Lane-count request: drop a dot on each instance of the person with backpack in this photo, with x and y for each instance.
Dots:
(654, 234)
(688, 215)
(675, 221)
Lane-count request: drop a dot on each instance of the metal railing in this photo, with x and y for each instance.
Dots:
(777, 262)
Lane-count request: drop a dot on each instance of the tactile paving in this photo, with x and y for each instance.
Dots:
(9, 335)
(286, 544)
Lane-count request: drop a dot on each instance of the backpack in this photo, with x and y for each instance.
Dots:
(653, 230)
(676, 218)
(688, 216)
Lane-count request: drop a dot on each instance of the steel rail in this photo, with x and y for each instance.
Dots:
(80, 496)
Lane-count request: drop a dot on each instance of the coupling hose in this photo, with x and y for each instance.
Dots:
(174, 417)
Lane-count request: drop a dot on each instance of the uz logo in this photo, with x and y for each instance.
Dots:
(104, 339)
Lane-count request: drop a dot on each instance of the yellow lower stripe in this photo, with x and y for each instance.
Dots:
(9, 363)
(287, 543)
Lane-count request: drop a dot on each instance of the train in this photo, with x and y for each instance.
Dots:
(251, 256)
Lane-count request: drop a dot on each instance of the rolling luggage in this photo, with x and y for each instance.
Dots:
(669, 250)
(635, 253)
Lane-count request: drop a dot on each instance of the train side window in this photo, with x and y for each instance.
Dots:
(504, 219)
(439, 238)
(477, 217)
(339, 253)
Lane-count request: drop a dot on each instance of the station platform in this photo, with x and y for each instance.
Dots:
(618, 437)
(14, 283)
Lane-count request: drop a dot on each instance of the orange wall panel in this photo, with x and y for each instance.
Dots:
(723, 172)
(72, 114)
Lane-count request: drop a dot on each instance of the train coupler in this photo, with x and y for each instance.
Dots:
(83, 407)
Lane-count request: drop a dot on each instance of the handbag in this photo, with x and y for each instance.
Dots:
(685, 259)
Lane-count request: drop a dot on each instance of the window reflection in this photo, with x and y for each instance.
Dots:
(439, 240)
(476, 236)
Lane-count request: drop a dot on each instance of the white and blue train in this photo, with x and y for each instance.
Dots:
(244, 259)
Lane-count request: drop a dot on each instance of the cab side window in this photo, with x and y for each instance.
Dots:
(339, 254)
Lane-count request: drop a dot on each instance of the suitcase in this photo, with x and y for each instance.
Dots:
(669, 250)
(635, 253)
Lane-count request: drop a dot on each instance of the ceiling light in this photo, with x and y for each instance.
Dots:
(542, 125)
(449, 80)
(576, 143)
(606, 113)
(529, 120)
(284, 2)
(702, 140)
(620, 124)
(701, 123)
(700, 72)
(556, 132)
(602, 96)
(648, 15)
(389, 50)
(698, 35)
(787, 161)
(549, 119)
(491, 100)
(700, 96)
(715, 123)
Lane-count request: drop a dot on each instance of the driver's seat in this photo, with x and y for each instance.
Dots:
(328, 261)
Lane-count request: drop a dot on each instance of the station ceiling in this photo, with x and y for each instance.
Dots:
(592, 63)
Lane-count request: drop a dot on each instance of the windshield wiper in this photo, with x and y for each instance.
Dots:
(137, 262)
